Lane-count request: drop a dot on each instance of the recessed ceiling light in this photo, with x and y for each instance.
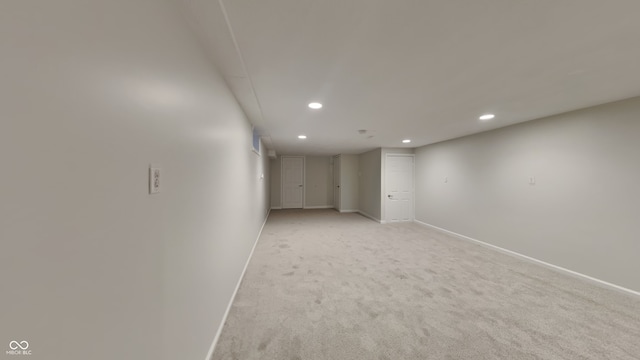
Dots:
(406, 141)
(487, 117)
(315, 105)
(302, 136)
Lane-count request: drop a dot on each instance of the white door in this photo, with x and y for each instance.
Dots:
(336, 182)
(399, 188)
(292, 182)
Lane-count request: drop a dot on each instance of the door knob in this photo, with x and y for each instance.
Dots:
(390, 196)
(300, 185)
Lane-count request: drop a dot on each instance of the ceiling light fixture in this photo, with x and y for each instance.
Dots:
(315, 105)
(302, 136)
(487, 117)
(406, 141)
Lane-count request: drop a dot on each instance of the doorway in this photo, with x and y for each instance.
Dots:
(399, 188)
(292, 182)
(336, 182)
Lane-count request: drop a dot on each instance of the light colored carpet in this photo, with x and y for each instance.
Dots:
(324, 285)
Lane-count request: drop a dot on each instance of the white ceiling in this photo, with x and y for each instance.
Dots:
(418, 69)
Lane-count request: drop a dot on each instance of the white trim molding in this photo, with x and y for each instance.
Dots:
(276, 208)
(349, 211)
(319, 207)
(235, 291)
(572, 273)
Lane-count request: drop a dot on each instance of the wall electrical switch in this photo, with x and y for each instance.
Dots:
(532, 180)
(154, 180)
(446, 179)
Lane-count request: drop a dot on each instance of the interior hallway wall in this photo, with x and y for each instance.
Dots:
(349, 182)
(370, 177)
(318, 182)
(276, 184)
(91, 265)
(582, 212)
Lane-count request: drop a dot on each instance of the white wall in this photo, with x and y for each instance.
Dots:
(370, 177)
(582, 213)
(91, 265)
(348, 182)
(318, 182)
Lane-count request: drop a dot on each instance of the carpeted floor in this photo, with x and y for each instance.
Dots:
(324, 285)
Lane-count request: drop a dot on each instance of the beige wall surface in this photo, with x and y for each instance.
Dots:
(318, 182)
(91, 265)
(370, 176)
(582, 212)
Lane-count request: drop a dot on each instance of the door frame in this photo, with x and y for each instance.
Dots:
(304, 180)
(413, 183)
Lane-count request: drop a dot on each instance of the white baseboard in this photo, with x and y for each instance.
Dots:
(235, 291)
(276, 208)
(348, 211)
(319, 207)
(534, 260)
(370, 216)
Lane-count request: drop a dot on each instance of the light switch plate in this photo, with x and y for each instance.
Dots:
(154, 180)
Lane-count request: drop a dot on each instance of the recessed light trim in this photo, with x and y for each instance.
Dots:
(302, 137)
(406, 141)
(487, 117)
(315, 105)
